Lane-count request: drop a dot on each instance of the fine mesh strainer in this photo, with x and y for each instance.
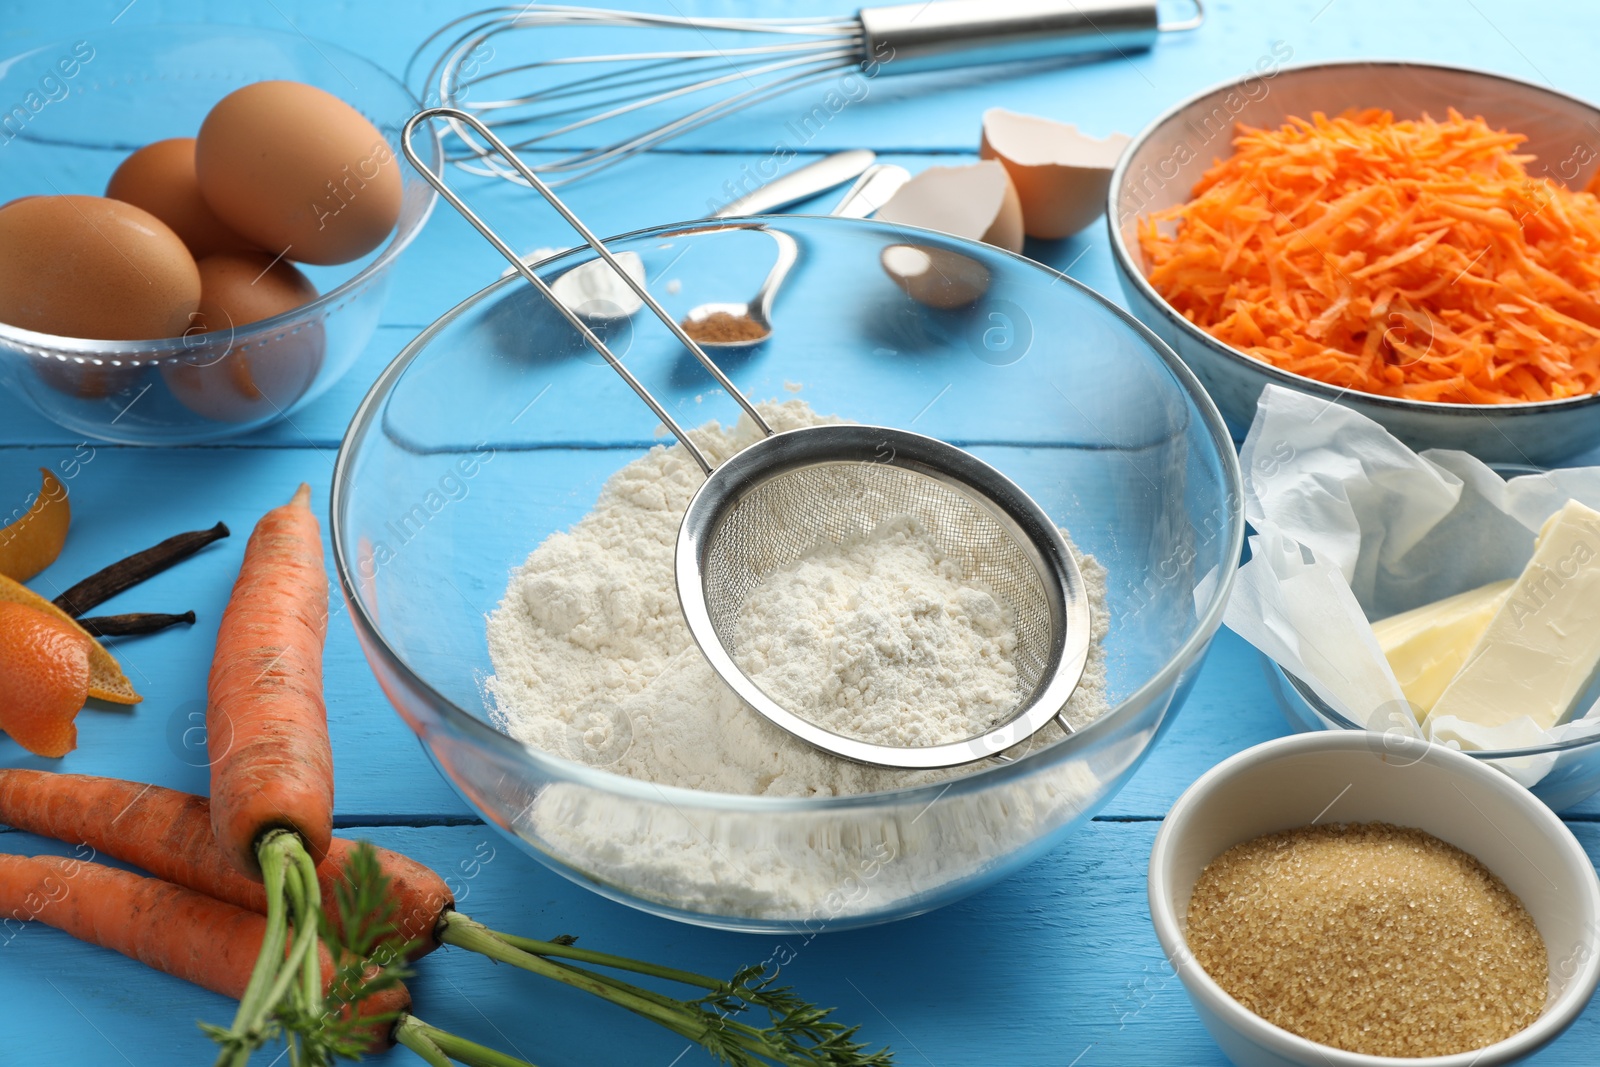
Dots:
(791, 493)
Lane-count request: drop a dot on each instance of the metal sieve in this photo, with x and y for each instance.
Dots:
(790, 493)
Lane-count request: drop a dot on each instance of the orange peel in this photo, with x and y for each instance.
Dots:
(106, 680)
(32, 542)
(44, 679)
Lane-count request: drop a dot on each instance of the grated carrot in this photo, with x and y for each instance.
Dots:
(1415, 258)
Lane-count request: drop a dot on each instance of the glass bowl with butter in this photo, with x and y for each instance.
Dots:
(1574, 764)
(1473, 663)
(1424, 594)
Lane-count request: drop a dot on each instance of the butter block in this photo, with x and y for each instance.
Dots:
(1427, 646)
(1542, 648)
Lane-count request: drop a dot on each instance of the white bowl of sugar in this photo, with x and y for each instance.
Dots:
(1335, 783)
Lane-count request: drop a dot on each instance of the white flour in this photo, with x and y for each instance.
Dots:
(594, 662)
(881, 639)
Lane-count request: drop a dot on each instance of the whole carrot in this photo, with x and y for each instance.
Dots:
(191, 936)
(174, 930)
(166, 927)
(266, 724)
(168, 833)
(271, 761)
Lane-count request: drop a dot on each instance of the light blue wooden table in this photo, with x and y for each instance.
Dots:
(1056, 966)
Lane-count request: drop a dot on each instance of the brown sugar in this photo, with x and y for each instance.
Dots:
(721, 327)
(1370, 938)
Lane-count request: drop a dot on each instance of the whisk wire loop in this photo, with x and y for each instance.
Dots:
(732, 63)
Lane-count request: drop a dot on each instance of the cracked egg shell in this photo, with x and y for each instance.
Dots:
(935, 277)
(1061, 175)
(976, 201)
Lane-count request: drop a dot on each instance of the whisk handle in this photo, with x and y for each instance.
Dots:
(906, 38)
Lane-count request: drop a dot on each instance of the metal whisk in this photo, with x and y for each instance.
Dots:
(592, 110)
(790, 493)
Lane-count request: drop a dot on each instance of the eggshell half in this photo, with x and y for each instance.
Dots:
(1061, 175)
(936, 277)
(976, 201)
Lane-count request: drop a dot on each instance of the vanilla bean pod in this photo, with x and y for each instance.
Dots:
(126, 573)
(134, 624)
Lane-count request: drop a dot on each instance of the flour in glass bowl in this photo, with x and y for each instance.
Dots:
(593, 661)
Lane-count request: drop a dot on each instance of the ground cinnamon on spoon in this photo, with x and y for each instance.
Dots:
(721, 327)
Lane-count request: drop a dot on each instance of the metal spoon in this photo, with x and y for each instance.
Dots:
(876, 184)
(578, 287)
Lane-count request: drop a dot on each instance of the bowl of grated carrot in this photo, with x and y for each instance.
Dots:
(1420, 243)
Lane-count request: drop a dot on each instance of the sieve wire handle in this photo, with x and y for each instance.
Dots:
(455, 115)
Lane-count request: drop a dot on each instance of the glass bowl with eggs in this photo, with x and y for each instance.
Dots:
(504, 516)
(197, 226)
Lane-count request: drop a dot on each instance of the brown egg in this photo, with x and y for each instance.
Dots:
(238, 288)
(160, 178)
(298, 172)
(936, 277)
(85, 266)
(87, 381)
(232, 380)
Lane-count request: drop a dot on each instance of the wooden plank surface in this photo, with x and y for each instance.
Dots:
(1056, 962)
(1056, 966)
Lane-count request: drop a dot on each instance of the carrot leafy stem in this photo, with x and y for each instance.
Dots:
(747, 1021)
(252, 1022)
(796, 1033)
(288, 973)
(367, 962)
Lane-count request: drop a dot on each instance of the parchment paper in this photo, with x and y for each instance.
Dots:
(1351, 526)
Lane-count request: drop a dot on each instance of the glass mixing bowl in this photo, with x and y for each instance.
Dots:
(496, 427)
(92, 102)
